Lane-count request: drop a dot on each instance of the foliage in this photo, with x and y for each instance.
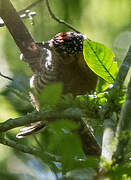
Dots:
(100, 59)
(60, 139)
(51, 95)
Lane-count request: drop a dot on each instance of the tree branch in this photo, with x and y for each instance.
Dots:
(108, 148)
(34, 56)
(36, 117)
(123, 128)
(47, 157)
(20, 147)
(124, 68)
(21, 35)
(89, 143)
(18, 122)
(23, 14)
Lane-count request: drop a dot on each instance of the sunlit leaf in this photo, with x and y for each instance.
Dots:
(102, 85)
(100, 59)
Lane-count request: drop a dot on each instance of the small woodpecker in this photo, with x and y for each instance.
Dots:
(63, 62)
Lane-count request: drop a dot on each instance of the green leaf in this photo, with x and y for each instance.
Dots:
(51, 95)
(100, 60)
(102, 85)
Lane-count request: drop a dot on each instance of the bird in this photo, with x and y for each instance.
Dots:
(63, 62)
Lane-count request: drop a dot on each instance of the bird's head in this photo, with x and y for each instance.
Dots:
(68, 45)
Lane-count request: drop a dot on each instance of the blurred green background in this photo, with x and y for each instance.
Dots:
(105, 21)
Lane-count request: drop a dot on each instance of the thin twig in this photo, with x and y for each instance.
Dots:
(60, 20)
(6, 77)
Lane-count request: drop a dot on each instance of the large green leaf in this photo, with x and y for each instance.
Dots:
(100, 60)
(50, 95)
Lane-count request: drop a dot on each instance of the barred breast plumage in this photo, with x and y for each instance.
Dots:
(64, 63)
